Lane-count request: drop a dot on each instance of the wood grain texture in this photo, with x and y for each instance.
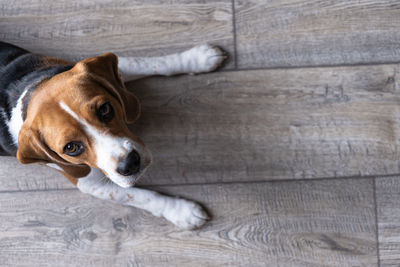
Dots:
(77, 29)
(309, 33)
(271, 124)
(262, 125)
(314, 223)
(15, 176)
(388, 202)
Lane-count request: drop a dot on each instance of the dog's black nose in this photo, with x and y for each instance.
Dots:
(130, 165)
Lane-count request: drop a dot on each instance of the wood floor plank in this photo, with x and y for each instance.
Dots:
(271, 124)
(17, 177)
(388, 202)
(260, 125)
(309, 33)
(313, 223)
(77, 29)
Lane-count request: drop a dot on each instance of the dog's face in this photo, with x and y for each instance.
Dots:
(79, 118)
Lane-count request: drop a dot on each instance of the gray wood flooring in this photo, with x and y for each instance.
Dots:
(313, 223)
(293, 146)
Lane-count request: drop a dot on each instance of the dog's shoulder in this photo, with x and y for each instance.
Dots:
(20, 73)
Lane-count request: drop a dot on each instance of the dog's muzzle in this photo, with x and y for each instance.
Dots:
(130, 165)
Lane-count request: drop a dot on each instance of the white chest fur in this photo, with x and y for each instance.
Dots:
(16, 121)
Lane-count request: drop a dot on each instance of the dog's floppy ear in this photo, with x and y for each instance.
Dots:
(104, 69)
(32, 148)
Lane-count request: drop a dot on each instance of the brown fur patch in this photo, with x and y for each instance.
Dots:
(52, 61)
(48, 128)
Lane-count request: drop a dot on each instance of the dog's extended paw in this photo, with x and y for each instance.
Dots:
(203, 58)
(185, 214)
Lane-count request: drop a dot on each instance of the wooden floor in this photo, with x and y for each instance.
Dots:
(293, 146)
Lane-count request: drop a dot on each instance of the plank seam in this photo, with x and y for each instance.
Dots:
(234, 35)
(277, 180)
(312, 66)
(155, 186)
(376, 223)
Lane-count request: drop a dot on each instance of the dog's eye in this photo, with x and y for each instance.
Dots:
(73, 149)
(105, 112)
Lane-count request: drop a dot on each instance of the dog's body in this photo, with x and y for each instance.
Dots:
(72, 117)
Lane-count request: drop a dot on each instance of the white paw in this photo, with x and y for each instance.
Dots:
(185, 214)
(203, 58)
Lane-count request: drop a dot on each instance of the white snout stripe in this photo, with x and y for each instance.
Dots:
(109, 149)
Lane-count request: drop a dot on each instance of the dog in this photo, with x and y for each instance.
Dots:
(73, 117)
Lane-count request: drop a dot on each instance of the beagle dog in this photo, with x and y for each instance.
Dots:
(73, 117)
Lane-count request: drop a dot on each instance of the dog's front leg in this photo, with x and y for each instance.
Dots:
(183, 213)
(202, 58)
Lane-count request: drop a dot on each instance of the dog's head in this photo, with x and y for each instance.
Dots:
(79, 118)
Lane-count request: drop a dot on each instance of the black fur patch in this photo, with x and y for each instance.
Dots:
(19, 71)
